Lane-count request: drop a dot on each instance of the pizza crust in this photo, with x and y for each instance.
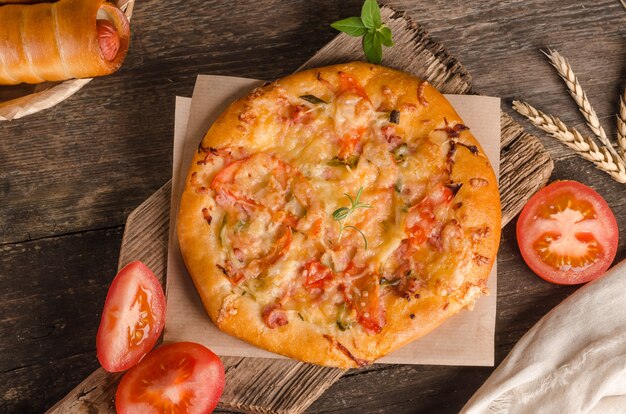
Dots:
(407, 319)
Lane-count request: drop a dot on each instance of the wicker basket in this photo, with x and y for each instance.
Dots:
(21, 100)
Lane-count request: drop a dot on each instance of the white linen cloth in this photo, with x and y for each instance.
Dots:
(572, 361)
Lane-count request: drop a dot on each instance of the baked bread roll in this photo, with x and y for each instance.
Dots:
(61, 40)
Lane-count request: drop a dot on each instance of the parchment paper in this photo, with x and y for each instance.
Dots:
(465, 339)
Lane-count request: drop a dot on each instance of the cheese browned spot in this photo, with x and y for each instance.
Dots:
(327, 206)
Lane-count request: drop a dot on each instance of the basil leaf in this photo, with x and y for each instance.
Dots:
(343, 326)
(372, 47)
(313, 99)
(370, 14)
(351, 161)
(370, 26)
(343, 321)
(387, 282)
(400, 153)
(352, 26)
(398, 187)
(385, 36)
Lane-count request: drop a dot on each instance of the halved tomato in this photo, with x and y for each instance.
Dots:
(182, 377)
(132, 319)
(567, 233)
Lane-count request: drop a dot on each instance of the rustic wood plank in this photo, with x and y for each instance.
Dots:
(145, 239)
(147, 227)
(256, 385)
(48, 322)
(146, 233)
(525, 167)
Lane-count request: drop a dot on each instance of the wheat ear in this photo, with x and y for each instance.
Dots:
(576, 91)
(621, 124)
(586, 147)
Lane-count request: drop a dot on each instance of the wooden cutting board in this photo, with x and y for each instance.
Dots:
(285, 386)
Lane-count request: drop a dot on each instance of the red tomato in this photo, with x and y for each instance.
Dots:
(420, 221)
(316, 274)
(567, 233)
(364, 297)
(132, 319)
(350, 142)
(348, 84)
(183, 377)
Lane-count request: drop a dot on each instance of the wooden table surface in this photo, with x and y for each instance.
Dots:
(69, 176)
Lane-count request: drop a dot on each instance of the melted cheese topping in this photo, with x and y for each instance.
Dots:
(279, 203)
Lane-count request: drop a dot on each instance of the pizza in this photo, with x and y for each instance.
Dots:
(339, 213)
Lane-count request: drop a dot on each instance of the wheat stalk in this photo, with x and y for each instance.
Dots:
(623, 3)
(587, 148)
(576, 91)
(602, 158)
(621, 124)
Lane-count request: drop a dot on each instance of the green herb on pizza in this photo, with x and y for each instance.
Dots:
(342, 213)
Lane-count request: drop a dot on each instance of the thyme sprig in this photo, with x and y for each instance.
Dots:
(342, 214)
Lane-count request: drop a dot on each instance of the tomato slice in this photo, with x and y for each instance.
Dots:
(363, 295)
(567, 233)
(182, 377)
(315, 274)
(420, 221)
(350, 143)
(348, 84)
(132, 319)
(258, 180)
